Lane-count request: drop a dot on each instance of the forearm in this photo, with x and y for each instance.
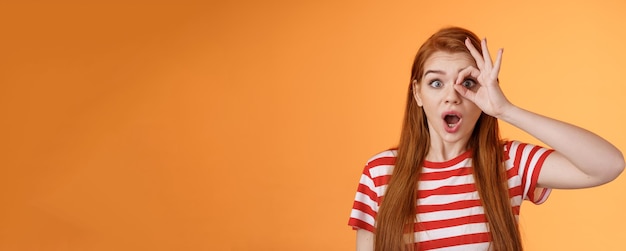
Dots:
(590, 153)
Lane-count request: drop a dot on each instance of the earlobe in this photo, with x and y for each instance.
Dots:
(416, 92)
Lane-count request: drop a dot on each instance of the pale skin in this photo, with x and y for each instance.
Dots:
(581, 158)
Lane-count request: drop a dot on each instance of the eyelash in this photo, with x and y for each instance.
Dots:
(471, 81)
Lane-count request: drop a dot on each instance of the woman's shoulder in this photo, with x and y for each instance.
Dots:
(385, 156)
(512, 145)
(381, 164)
(518, 151)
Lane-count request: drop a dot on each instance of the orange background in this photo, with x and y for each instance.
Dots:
(245, 125)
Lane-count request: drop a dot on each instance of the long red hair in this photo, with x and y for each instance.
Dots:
(396, 217)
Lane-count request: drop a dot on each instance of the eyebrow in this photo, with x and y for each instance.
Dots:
(433, 71)
(438, 72)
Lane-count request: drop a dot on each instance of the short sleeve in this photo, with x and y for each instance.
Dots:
(370, 191)
(528, 160)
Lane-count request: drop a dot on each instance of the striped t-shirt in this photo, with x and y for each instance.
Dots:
(449, 210)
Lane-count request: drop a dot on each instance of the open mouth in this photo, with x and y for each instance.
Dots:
(451, 120)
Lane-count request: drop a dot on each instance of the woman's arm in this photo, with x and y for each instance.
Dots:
(581, 158)
(364, 240)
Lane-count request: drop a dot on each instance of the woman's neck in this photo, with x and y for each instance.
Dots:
(441, 151)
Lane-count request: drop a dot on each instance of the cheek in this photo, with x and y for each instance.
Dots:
(430, 112)
(474, 112)
(473, 108)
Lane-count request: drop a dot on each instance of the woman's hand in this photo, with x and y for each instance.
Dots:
(487, 94)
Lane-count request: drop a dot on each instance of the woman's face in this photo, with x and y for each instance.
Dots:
(451, 118)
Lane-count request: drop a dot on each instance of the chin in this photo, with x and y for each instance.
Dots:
(456, 137)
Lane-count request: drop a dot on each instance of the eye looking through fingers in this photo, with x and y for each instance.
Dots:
(469, 83)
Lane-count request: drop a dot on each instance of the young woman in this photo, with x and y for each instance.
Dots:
(452, 183)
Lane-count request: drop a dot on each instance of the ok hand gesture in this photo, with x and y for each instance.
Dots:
(487, 94)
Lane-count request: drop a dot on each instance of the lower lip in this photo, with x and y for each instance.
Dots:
(451, 129)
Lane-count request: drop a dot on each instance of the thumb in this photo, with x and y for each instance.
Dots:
(466, 93)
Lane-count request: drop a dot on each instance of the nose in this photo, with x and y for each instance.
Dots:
(451, 95)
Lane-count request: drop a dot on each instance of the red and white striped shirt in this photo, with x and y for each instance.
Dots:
(449, 211)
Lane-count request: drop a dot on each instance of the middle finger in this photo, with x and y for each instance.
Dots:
(480, 61)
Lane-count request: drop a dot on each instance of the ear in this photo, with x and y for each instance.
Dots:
(416, 95)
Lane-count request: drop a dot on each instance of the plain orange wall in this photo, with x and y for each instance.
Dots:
(245, 125)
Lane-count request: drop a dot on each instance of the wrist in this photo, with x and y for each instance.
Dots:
(506, 112)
